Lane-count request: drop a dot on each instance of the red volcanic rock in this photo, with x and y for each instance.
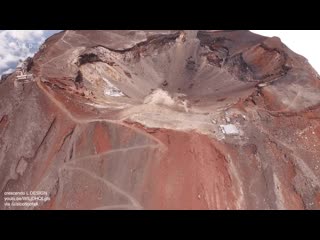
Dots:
(162, 120)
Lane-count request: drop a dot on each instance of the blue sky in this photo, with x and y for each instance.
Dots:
(20, 44)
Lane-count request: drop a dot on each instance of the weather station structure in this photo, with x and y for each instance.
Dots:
(22, 75)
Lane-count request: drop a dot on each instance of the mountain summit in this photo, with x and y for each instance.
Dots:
(162, 120)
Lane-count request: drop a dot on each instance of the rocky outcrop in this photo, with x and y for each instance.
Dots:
(159, 140)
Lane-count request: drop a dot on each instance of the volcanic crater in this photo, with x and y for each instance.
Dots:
(175, 119)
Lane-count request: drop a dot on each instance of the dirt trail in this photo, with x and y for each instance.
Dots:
(299, 161)
(160, 146)
(91, 120)
(112, 151)
(134, 202)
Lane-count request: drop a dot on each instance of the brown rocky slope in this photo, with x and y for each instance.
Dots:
(163, 120)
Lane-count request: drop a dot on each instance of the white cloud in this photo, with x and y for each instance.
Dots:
(25, 35)
(303, 42)
(18, 44)
(8, 59)
(10, 70)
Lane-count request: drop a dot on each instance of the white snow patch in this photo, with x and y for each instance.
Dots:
(112, 90)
